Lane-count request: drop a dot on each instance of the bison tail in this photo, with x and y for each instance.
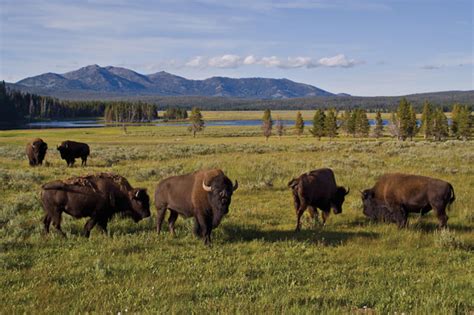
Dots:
(453, 196)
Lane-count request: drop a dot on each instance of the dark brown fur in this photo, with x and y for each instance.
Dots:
(70, 150)
(185, 195)
(410, 193)
(35, 151)
(96, 196)
(317, 189)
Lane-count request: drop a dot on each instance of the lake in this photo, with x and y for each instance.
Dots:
(100, 123)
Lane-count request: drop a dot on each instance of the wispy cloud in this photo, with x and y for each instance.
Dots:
(234, 61)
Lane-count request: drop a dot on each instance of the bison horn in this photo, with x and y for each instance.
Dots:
(205, 187)
(348, 190)
(236, 185)
(137, 193)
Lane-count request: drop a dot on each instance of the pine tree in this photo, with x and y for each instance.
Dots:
(378, 130)
(197, 122)
(299, 124)
(330, 124)
(440, 125)
(427, 120)
(362, 125)
(412, 124)
(267, 124)
(318, 124)
(280, 127)
(454, 119)
(404, 119)
(464, 122)
(351, 123)
(346, 117)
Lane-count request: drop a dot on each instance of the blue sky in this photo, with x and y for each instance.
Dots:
(361, 47)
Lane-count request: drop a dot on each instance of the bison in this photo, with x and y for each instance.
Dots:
(98, 197)
(36, 150)
(70, 150)
(317, 189)
(204, 195)
(402, 194)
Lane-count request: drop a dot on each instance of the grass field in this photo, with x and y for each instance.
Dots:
(257, 263)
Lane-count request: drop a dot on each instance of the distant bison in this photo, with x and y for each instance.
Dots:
(317, 189)
(400, 194)
(70, 150)
(36, 150)
(98, 197)
(204, 195)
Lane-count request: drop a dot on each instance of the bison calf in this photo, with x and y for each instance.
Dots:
(98, 197)
(204, 195)
(404, 193)
(317, 189)
(70, 150)
(36, 150)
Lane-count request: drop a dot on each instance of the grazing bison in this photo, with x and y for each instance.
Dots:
(70, 150)
(204, 195)
(404, 193)
(98, 197)
(317, 189)
(36, 150)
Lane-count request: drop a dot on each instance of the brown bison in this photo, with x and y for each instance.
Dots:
(317, 189)
(36, 150)
(204, 195)
(70, 150)
(98, 197)
(401, 194)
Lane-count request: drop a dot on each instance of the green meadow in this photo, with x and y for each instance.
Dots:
(257, 264)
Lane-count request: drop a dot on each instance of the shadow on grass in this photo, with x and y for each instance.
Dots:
(236, 233)
(431, 227)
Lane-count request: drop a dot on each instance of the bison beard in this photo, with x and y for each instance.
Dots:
(203, 195)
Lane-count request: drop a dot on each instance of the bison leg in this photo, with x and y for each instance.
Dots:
(84, 161)
(89, 226)
(442, 217)
(313, 213)
(46, 222)
(171, 221)
(205, 226)
(197, 228)
(325, 215)
(299, 213)
(159, 219)
(56, 219)
(401, 217)
(103, 225)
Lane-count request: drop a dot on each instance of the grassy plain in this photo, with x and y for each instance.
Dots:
(257, 263)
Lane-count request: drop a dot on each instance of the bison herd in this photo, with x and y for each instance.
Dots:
(206, 195)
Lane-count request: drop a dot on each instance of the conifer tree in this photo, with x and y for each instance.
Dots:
(267, 124)
(197, 122)
(330, 123)
(318, 124)
(362, 125)
(351, 123)
(378, 130)
(299, 124)
(440, 125)
(280, 127)
(464, 123)
(427, 120)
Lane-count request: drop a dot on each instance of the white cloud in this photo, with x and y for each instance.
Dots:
(337, 61)
(225, 61)
(234, 61)
(195, 62)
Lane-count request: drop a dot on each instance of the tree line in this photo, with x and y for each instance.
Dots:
(403, 124)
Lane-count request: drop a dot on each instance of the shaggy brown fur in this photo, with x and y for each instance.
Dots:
(35, 151)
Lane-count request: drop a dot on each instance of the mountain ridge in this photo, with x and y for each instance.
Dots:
(126, 82)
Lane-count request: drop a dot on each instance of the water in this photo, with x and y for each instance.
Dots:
(100, 123)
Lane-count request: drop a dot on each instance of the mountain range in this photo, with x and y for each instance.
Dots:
(98, 82)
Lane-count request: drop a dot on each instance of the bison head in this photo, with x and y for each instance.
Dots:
(338, 200)
(140, 204)
(371, 206)
(39, 148)
(63, 149)
(220, 191)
